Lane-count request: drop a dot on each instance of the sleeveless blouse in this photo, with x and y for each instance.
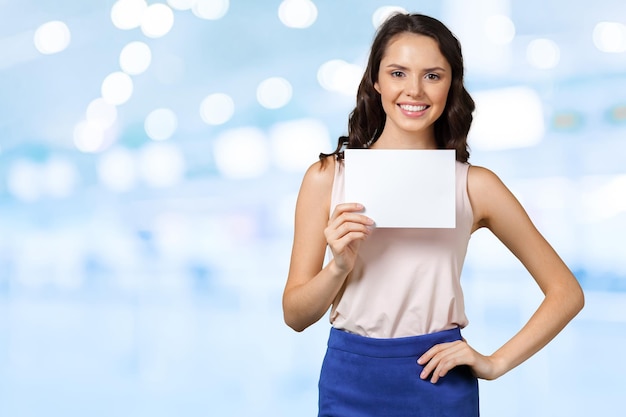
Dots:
(405, 282)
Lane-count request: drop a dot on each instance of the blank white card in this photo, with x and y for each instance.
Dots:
(403, 188)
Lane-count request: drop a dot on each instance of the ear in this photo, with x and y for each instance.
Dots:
(376, 87)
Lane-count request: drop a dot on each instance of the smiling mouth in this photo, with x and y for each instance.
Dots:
(411, 108)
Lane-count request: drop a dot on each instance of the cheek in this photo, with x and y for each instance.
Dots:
(442, 98)
(442, 95)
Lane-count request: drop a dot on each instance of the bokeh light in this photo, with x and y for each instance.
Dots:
(135, 58)
(210, 9)
(298, 14)
(499, 29)
(52, 37)
(157, 20)
(117, 170)
(23, 180)
(340, 76)
(274, 93)
(543, 53)
(242, 153)
(507, 118)
(88, 136)
(59, 177)
(161, 124)
(382, 13)
(161, 165)
(217, 109)
(127, 14)
(117, 88)
(101, 113)
(181, 4)
(606, 200)
(610, 37)
(296, 144)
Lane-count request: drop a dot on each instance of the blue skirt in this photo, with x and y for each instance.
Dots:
(363, 376)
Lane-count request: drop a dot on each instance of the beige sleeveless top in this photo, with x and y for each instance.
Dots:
(406, 282)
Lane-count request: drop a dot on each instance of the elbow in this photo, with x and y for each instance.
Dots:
(575, 300)
(293, 323)
(580, 300)
(296, 326)
(569, 298)
(291, 317)
(297, 316)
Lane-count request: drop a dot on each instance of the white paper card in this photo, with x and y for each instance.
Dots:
(403, 188)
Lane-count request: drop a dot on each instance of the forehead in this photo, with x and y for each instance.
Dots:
(410, 48)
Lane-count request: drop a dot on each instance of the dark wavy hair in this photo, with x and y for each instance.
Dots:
(367, 120)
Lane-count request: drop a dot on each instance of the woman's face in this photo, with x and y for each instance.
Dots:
(413, 82)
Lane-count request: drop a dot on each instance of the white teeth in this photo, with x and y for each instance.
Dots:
(409, 107)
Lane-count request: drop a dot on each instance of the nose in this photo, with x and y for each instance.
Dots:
(414, 86)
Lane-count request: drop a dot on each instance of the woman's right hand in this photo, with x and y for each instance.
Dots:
(345, 231)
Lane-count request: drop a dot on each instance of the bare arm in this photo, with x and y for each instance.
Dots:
(496, 208)
(310, 287)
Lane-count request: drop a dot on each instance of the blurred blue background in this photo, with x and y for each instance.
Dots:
(151, 153)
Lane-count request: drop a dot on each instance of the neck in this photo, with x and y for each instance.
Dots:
(405, 140)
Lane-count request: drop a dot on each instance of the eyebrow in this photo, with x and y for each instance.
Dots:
(403, 68)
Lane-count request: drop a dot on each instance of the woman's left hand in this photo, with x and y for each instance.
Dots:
(441, 358)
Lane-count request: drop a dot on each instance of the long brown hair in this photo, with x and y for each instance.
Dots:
(367, 120)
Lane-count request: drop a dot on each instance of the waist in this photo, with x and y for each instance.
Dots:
(389, 347)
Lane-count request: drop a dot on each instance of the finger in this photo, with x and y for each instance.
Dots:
(458, 354)
(336, 232)
(339, 246)
(430, 353)
(350, 218)
(431, 368)
(347, 218)
(444, 365)
(346, 233)
(350, 211)
(433, 358)
(346, 207)
(430, 360)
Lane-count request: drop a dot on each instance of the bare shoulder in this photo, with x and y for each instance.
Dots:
(488, 195)
(315, 191)
(320, 175)
(480, 177)
(318, 182)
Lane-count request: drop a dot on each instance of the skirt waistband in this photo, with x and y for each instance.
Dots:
(389, 348)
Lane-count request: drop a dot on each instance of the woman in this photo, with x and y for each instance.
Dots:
(395, 347)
